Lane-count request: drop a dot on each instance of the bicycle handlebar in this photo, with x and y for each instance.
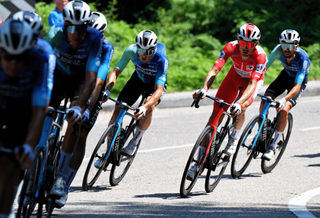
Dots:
(217, 100)
(270, 100)
(52, 110)
(124, 105)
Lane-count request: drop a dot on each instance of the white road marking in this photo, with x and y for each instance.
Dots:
(164, 148)
(311, 128)
(297, 205)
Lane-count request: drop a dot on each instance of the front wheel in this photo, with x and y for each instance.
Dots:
(244, 152)
(188, 182)
(101, 153)
(268, 166)
(219, 159)
(27, 198)
(123, 162)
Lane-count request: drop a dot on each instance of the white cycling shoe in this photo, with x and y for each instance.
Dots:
(231, 146)
(130, 148)
(192, 172)
(269, 154)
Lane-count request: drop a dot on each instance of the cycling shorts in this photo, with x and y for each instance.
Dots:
(64, 84)
(14, 123)
(285, 82)
(95, 111)
(136, 87)
(232, 88)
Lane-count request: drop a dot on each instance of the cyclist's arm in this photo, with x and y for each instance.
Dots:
(113, 78)
(275, 54)
(87, 89)
(154, 98)
(248, 92)
(211, 75)
(96, 93)
(293, 92)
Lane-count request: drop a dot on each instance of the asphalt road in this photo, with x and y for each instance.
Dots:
(151, 187)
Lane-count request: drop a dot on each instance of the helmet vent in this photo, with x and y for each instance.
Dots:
(24, 41)
(7, 39)
(77, 14)
(289, 36)
(248, 33)
(102, 27)
(70, 15)
(84, 15)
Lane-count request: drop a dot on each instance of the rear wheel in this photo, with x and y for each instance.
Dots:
(101, 153)
(218, 160)
(243, 155)
(268, 166)
(187, 183)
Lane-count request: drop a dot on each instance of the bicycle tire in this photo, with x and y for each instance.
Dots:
(50, 201)
(186, 184)
(124, 162)
(219, 160)
(31, 179)
(244, 154)
(104, 154)
(268, 166)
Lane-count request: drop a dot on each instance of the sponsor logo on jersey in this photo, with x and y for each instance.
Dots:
(259, 67)
(250, 60)
(235, 55)
(249, 67)
(222, 55)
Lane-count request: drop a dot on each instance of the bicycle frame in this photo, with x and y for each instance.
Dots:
(263, 115)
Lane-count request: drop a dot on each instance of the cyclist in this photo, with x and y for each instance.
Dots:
(55, 16)
(78, 50)
(293, 78)
(246, 75)
(150, 76)
(90, 115)
(23, 82)
(35, 23)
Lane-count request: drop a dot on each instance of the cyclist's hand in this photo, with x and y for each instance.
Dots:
(200, 92)
(235, 108)
(24, 155)
(281, 103)
(141, 113)
(86, 115)
(106, 96)
(74, 115)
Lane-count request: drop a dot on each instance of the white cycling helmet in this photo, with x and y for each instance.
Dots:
(147, 39)
(77, 13)
(16, 37)
(99, 22)
(289, 36)
(249, 32)
(32, 18)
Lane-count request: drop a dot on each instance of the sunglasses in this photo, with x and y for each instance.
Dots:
(18, 58)
(81, 29)
(147, 52)
(249, 45)
(285, 46)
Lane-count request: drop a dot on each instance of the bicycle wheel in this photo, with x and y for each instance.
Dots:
(268, 166)
(52, 165)
(243, 155)
(27, 200)
(122, 163)
(218, 159)
(100, 152)
(188, 183)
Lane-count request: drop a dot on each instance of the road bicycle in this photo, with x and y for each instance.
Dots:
(214, 158)
(38, 180)
(256, 139)
(109, 151)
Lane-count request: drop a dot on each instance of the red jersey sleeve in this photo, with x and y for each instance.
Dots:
(260, 68)
(225, 54)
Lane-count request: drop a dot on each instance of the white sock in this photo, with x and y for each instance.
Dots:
(71, 174)
(65, 159)
(276, 139)
(138, 134)
(200, 152)
(235, 133)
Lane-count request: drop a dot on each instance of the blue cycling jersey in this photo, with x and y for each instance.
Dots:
(55, 17)
(153, 71)
(298, 68)
(46, 48)
(74, 62)
(31, 80)
(106, 56)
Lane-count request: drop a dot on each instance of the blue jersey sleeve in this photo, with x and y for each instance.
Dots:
(40, 89)
(162, 68)
(94, 58)
(107, 53)
(55, 17)
(302, 72)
